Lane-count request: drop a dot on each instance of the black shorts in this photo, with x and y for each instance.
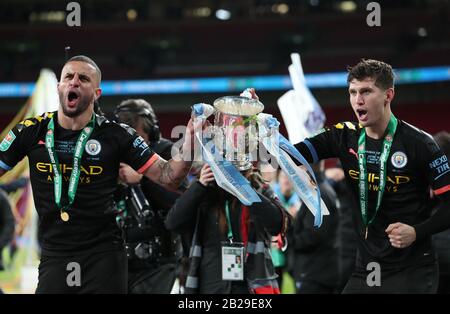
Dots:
(420, 279)
(103, 272)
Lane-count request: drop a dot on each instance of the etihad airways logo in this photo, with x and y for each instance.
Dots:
(374, 179)
(90, 171)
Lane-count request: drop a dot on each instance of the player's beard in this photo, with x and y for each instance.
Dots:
(82, 105)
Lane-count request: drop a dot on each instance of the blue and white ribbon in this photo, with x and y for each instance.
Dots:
(272, 141)
(246, 93)
(202, 111)
(225, 173)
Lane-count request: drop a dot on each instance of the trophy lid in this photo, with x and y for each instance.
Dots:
(239, 106)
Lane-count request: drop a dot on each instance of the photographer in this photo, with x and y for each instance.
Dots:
(153, 252)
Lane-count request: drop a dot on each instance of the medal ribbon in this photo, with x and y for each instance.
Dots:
(363, 184)
(76, 167)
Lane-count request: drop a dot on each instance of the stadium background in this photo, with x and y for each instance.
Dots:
(237, 40)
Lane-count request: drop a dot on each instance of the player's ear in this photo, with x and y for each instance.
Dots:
(98, 93)
(390, 93)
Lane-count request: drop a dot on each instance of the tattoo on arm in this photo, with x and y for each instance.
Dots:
(168, 175)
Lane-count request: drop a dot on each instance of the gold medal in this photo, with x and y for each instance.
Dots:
(64, 216)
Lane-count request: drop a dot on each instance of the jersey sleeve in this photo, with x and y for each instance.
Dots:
(134, 151)
(436, 167)
(14, 145)
(326, 143)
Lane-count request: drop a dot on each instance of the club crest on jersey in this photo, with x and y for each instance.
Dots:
(7, 141)
(399, 159)
(389, 138)
(93, 147)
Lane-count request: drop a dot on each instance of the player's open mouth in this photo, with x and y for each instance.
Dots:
(362, 114)
(72, 98)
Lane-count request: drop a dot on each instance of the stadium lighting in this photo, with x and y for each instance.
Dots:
(223, 14)
(347, 6)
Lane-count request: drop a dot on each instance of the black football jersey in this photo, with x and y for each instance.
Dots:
(415, 163)
(92, 223)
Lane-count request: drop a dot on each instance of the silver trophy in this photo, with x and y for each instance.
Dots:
(239, 127)
(236, 129)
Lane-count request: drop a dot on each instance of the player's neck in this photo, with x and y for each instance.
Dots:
(75, 123)
(377, 130)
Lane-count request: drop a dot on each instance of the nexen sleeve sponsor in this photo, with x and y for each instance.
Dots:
(439, 166)
(140, 143)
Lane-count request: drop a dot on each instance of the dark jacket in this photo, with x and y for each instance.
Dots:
(197, 212)
(441, 244)
(315, 249)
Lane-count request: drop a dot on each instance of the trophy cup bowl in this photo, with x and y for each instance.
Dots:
(236, 129)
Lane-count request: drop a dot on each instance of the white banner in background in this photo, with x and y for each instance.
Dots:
(45, 95)
(302, 114)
